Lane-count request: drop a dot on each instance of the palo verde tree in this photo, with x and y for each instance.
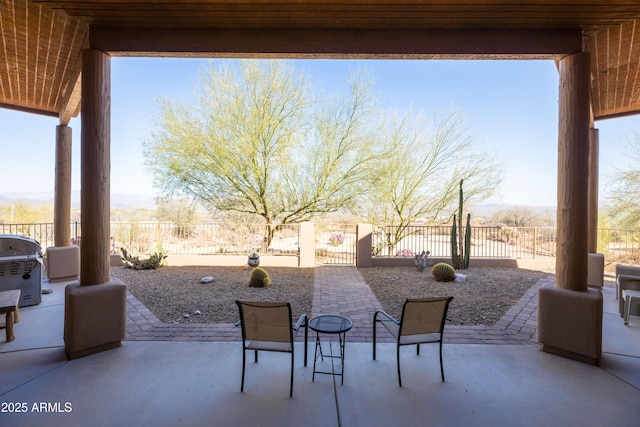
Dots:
(418, 172)
(622, 203)
(259, 142)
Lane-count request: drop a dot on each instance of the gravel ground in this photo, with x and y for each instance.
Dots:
(482, 299)
(175, 294)
(172, 293)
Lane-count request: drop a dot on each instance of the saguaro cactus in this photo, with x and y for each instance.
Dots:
(460, 242)
(454, 245)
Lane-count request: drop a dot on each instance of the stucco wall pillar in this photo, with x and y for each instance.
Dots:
(307, 244)
(95, 316)
(364, 236)
(570, 314)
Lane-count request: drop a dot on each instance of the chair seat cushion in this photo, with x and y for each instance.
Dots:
(268, 346)
(419, 338)
(631, 293)
(394, 329)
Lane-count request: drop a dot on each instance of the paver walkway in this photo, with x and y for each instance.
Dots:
(342, 290)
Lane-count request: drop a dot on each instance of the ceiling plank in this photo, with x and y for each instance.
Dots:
(41, 40)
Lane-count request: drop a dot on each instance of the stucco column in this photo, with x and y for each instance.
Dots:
(570, 314)
(573, 172)
(95, 317)
(594, 149)
(307, 244)
(364, 236)
(62, 192)
(95, 169)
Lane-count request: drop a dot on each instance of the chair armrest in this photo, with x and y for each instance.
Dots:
(299, 323)
(627, 278)
(384, 313)
(629, 270)
(302, 318)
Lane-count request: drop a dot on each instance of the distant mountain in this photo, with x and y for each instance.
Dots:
(35, 198)
(488, 209)
(118, 200)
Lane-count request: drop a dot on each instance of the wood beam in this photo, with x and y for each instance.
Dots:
(95, 167)
(311, 43)
(71, 107)
(573, 173)
(29, 110)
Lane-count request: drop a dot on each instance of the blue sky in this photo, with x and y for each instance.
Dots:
(511, 106)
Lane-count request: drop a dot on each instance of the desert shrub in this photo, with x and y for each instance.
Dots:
(443, 272)
(259, 278)
(509, 235)
(151, 261)
(336, 239)
(405, 252)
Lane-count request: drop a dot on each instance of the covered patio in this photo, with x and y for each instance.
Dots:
(190, 380)
(55, 61)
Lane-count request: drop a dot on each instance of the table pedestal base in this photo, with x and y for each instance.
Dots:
(318, 353)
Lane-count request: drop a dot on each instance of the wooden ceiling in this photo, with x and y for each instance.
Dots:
(41, 42)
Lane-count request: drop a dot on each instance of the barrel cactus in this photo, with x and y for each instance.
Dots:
(443, 272)
(259, 278)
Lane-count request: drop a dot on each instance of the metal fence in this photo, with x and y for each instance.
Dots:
(207, 239)
(42, 232)
(336, 243)
(500, 242)
(621, 246)
(203, 239)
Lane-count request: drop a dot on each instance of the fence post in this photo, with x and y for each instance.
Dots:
(363, 245)
(535, 241)
(307, 244)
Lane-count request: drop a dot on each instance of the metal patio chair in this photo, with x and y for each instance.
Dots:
(422, 322)
(267, 326)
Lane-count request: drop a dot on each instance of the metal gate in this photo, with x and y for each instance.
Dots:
(336, 243)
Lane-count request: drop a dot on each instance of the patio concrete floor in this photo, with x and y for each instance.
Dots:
(197, 382)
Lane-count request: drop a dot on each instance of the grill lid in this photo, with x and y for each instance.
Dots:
(13, 245)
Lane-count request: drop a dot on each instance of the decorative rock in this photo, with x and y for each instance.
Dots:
(206, 279)
(186, 315)
(460, 277)
(197, 312)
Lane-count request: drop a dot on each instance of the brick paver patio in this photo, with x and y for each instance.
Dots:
(342, 290)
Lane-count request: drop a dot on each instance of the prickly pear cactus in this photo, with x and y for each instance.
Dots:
(443, 272)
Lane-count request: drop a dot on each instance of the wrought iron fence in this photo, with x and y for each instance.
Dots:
(620, 246)
(336, 243)
(204, 239)
(207, 239)
(41, 232)
(499, 242)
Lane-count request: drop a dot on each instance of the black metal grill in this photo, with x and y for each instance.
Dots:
(21, 267)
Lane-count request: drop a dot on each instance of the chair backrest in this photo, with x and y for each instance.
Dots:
(424, 315)
(595, 270)
(266, 321)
